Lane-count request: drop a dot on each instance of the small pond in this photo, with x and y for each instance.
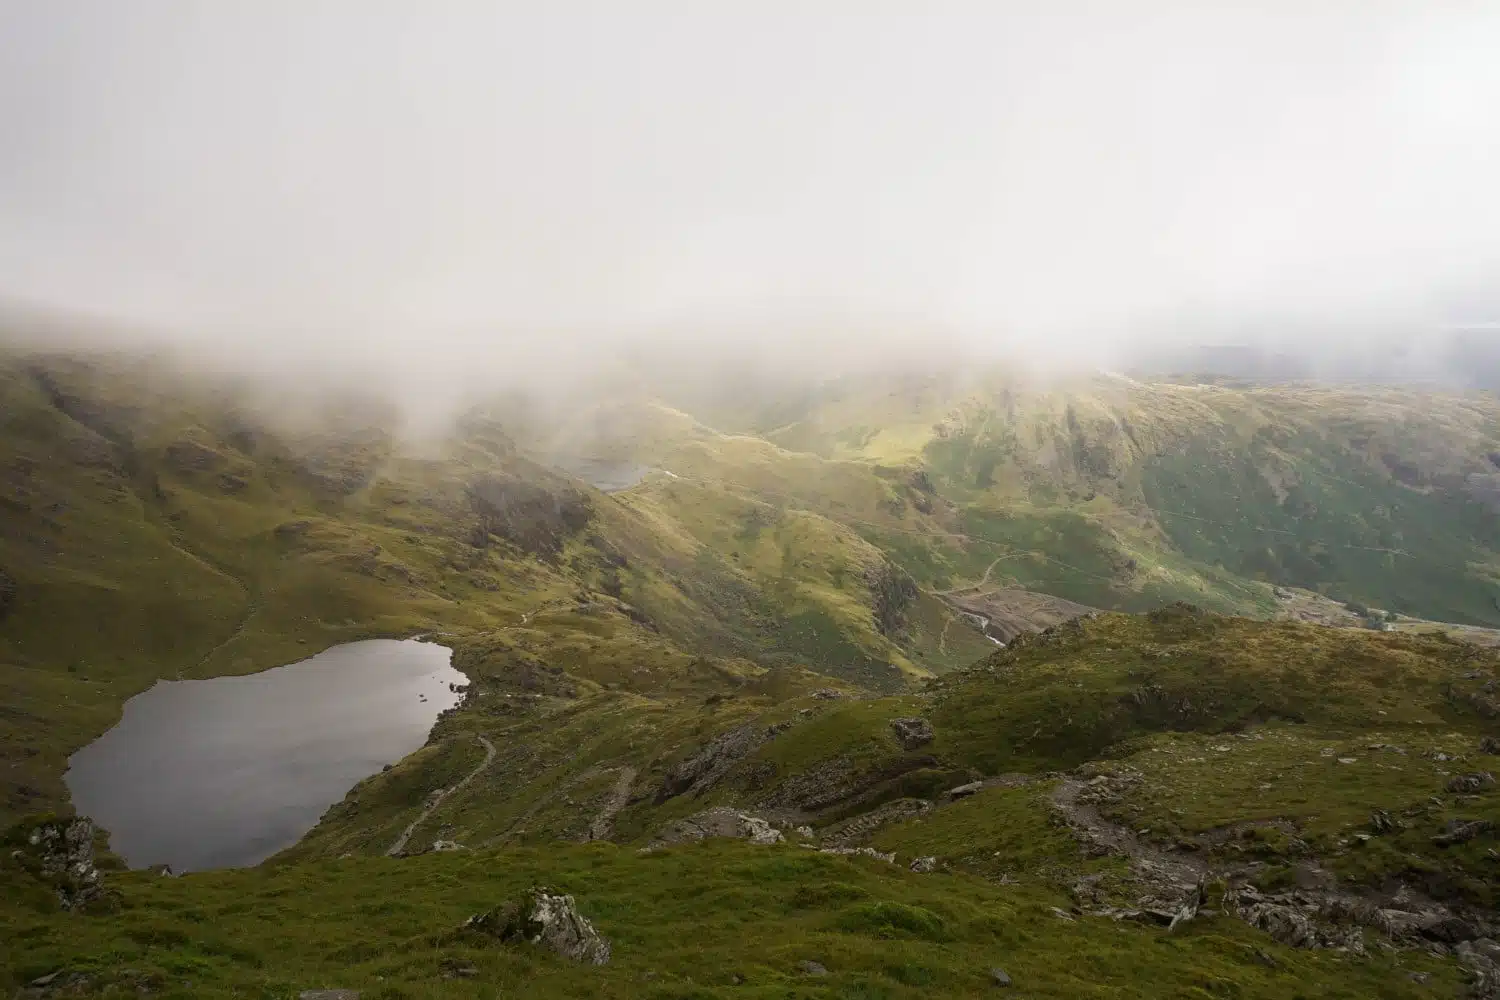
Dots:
(226, 772)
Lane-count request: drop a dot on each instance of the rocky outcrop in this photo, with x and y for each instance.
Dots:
(1294, 920)
(704, 769)
(1460, 831)
(912, 733)
(1481, 959)
(720, 821)
(857, 828)
(61, 853)
(892, 591)
(533, 518)
(1468, 783)
(546, 918)
(187, 455)
(842, 782)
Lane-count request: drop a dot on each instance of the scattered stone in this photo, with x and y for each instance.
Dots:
(999, 977)
(163, 871)
(1461, 831)
(1348, 760)
(1465, 783)
(1381, 822)
(547, 918)
(442, 846)
(912, 733)
(828, 694)
(720, 821)
(328, 995)
(810, 968)
(864, 852)
(1062, 914)
(1489, 745)
(924, 866)
(805, 832)
(454, 969)
(1189, 908)
(964, 791)
(46, 980)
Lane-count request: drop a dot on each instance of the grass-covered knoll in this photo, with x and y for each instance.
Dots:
(1064, 698)
(1006, 834)
(1369, 803)
(709, 920)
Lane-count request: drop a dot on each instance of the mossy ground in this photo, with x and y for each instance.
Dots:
(716, 919)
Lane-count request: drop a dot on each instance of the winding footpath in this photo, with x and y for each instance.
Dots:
(982, 580)
(441, 797)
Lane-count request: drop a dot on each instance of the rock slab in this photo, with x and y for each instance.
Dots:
(549, 919)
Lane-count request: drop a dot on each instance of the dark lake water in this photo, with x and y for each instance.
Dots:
(226, 772)
(611, 477)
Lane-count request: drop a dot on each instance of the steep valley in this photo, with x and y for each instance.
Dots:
(930, 685)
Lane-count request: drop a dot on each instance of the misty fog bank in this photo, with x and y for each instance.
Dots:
(461, 190)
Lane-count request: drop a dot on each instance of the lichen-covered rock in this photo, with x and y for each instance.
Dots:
(912, 733)
(549, 919)
(721, 821)
(1482, 960)
(924, 866)
(60, 851)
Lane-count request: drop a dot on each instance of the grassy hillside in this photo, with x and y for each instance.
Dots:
(780, 618)
(164, 524)
(1113, 492)
(1252, 755)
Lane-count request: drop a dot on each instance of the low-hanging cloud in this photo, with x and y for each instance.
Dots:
(496, 188)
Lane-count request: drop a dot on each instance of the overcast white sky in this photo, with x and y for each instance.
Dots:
(1054, 174)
